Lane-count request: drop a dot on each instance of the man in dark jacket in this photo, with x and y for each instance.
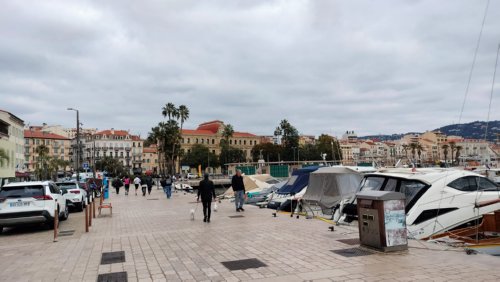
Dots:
(207, 191)
(239, 190)
(117, 183)
(149, 184)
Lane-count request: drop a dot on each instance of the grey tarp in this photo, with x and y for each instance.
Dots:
(329, 185)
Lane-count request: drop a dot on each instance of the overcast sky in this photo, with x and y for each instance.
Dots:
(326, 66)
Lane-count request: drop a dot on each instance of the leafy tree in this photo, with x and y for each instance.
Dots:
(289, 138)
(4, 157)
(270, 152)
(231, 154)
(201, 155)
(310, 152)
(413, 147)
(111, 165)
(329, 145)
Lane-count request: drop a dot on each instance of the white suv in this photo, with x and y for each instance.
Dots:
(75, 195)
(31, 202)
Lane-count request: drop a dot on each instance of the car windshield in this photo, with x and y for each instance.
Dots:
(21, 191)
(67, 185)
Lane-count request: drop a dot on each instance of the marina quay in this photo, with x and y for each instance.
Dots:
(153, 238)
(297, 140)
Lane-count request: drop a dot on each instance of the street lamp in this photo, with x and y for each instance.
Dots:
(77, 142)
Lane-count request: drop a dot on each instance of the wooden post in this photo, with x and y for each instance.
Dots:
(89, 210)
(93, 208)
(86, 219)
(56, 223)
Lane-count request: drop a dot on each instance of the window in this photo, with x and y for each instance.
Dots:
(486, 184)
(189, 140)
(244, 142)
(213, 141)
(196, 140)
(372, 183)
(202, 141)
(467, 183)
(22, 191)
(391, 185)
(411, 189)
(230, 142)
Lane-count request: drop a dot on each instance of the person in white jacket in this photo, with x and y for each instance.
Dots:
(137, 183)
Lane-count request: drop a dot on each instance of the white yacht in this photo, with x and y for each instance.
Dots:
(437, 200)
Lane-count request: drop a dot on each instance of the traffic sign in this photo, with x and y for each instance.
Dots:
(85, 165)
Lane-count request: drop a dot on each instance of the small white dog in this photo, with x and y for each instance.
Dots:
(215, 207)
(192, 214)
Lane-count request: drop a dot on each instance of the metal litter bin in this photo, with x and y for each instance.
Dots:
(382, 220)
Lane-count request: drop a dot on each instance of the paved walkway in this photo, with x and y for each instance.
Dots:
(161, 243)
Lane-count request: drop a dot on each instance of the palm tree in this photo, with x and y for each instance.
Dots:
(419, 148)
(453, 146)
(457, 155)
(183, 112)
(169, 111)
(405, 149)
(43, 154)
(445, 152)
(227, 132)
(413, 147)
(3, 156)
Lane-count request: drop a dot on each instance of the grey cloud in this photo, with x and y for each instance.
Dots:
(327, 66)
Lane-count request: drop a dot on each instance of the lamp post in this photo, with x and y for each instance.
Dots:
(77, 142)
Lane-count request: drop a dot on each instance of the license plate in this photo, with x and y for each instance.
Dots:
(19, 204)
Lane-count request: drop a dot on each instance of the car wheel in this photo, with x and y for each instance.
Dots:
(65, 214)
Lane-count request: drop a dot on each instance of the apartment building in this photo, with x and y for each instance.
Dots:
(12, 143)
(210, 135)
(58, 147)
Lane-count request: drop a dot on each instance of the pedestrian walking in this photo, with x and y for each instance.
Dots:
(168, 186)
(126, 182)
(206, 190)
(149, 185)
(239, 190)
(117, 183)
(137, 183)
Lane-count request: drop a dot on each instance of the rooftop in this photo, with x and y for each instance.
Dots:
(43, 135)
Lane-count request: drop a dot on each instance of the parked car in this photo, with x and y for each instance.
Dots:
(31, 202)
(75, 195)
(191, 176)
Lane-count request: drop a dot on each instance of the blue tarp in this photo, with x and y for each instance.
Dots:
(298, 180)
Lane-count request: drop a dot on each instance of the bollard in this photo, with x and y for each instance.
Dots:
(93, 209)
(89, 210)
(86, 219)
(56, 224)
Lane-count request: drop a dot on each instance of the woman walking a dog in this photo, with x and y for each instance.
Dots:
(207, 191)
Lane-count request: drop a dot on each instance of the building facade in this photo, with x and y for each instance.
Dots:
(59, 147)
(150, 159)
(12, 143)
(210, 135)
(119, 144)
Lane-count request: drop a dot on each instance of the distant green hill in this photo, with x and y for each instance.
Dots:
(473, 130)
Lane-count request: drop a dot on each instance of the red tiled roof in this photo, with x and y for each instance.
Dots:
(116, 132)
(212, 126)
(210, 133)
(149, 150)
(197, 132)
(135, 138)
(43, 135)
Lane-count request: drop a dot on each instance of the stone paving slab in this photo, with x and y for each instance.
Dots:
(162, 243)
